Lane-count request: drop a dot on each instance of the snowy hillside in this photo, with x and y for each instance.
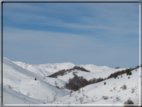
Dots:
(94, 68)
(29, 83)
(113, 92)
(33, 84)
(44, 69)
(99, 72)
(11, 96)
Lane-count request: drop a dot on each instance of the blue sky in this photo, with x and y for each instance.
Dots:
(81, 33)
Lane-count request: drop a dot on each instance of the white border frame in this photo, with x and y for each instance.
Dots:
(140, 53)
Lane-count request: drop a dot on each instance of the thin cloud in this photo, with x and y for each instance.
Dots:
(64, 47)
(79, 33)
(110, 18)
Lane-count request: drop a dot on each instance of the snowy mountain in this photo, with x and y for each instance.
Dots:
(33, 84)
(98, 72)
(29, 83)
(113, 92)
(11, 96)
(94, 68)
(44, 69)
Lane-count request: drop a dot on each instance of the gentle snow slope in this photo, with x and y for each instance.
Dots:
(45, 69)
(94, 68)
(12, 97)
(28, 84)
(92, 94)
(23, 81)
(89, 75)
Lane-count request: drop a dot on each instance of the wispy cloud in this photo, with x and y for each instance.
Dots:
(118, 19)
(58, 47)
(78, 33)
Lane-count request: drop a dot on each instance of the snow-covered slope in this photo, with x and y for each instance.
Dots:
(11, 97)
(33, 68)
(93, 94)
(89, 75)
(94, 68)
(48, 69)
(29, 83)
(45, 69)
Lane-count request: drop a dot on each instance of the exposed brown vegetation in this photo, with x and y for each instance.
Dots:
(63, 72)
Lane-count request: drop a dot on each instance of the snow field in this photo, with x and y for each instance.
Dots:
(28, 84)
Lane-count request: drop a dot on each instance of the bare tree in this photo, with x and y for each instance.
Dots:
(81, 99)
(105, 97)
(70, 93)
(54, 98)
(124, 87)
(132, 90)
(9, 86)
(117, 98)
(28, 94)
(56, 84)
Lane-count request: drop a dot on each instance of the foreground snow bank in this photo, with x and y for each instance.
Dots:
(113, 92)
(28, 83)
(23, 85)
(13, 97)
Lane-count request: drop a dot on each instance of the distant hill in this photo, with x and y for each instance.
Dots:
(67, 84)
(66, 71)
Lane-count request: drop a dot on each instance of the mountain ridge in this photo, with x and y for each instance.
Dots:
(34, 86)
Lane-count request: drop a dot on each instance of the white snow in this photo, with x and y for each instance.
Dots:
(94, 68)
(23, 81)
(28, 84)
(90, 75)
(97, 90)
(11, 97)
(45, 69)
